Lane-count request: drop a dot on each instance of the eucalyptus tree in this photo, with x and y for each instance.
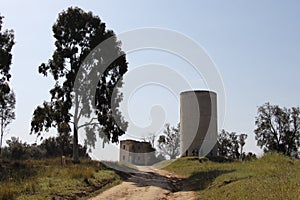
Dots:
(278, 129)
(78, 56)
(7, 96)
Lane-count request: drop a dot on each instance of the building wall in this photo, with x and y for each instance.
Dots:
(198, 123)
(135, 152)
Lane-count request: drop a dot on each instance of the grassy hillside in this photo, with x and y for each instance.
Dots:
(273, 176)
(47, 179)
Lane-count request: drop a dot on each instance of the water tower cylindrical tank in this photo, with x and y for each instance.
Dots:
(198, 123)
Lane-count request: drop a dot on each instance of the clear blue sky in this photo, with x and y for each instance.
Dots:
(255, 45)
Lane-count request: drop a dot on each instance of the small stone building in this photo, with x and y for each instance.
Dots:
(136, 152)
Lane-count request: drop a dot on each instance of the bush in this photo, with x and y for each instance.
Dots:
(16, 149)
(49, 148)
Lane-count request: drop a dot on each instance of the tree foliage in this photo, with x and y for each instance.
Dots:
(231, 144)
(16, 148)
(169, 141)
(77, 34)
(61, 145)
(50, 147)
(7, 96)
(242, 142)
(278, 129)
(151, 139)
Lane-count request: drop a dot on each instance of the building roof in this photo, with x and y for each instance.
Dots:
(134, 141)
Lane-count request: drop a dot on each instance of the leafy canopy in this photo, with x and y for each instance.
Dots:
(278, 129)
(7, 96)
(230, 144)
(169, 141)
(77, 35)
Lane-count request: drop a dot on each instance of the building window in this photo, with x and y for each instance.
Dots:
(123, 157)
(124, 146)
(139, 147)
(138, 158)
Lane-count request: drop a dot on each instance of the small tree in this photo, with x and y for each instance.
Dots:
(278, 129)
(16, 148)
(230, 144)
(169, 142)
(151, 139)
(242, 142)
(224, 144)
(234, 151)
(61, 145)
(7, 96)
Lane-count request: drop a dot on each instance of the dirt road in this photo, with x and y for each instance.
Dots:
(147, 184)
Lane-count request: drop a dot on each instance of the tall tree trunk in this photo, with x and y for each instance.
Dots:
(75, 146)
(75, 130)
(241, 155)
(1, 141)
(2, 132)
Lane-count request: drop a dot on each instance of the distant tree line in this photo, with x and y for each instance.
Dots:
(49, 148)
(277, 130)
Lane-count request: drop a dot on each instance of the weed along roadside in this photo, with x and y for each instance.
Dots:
(48, 179)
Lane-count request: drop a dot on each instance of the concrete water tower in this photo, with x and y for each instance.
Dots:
(198, 123)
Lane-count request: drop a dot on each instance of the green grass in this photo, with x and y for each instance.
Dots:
(273, 176)
(47, 179)
(163, 164)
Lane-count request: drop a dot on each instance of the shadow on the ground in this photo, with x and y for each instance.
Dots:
(201, 180)
(197, 181)
(143, 179)
(121, 169)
